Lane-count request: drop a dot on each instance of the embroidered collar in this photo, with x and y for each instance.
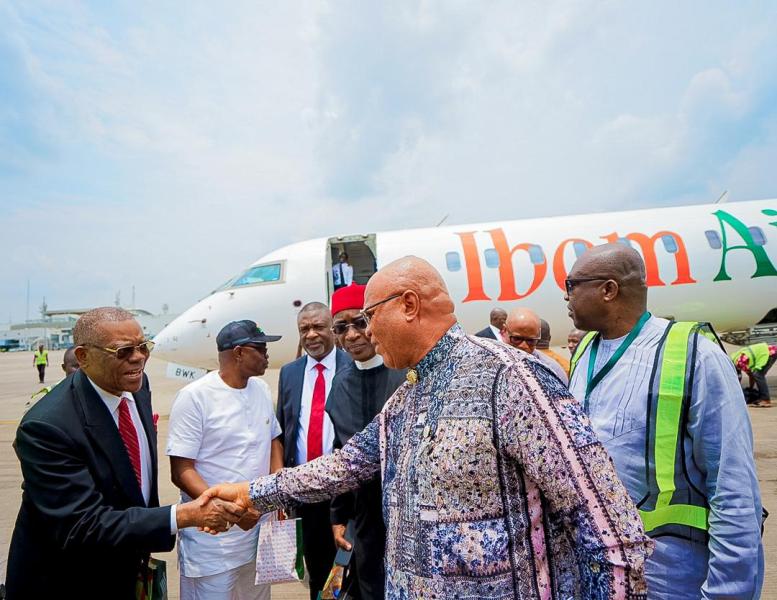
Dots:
(439, 353)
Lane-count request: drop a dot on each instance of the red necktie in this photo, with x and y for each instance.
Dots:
(316, 425)
(129, 435)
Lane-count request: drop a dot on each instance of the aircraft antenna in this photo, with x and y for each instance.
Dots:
(445, 218)
(723, 197)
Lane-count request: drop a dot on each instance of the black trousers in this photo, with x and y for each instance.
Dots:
(760, 379)
(41, 372)
(319, 545)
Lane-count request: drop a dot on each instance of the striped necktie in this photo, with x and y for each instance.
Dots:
(129, 435)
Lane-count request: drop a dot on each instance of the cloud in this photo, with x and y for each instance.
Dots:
(168, 146)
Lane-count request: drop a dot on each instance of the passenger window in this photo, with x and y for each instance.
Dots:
(258, 274)
(452, 261)
(713, 239)
(758, 235)
(492, 258)
(580, 248)
(536, 255)
(670, 244)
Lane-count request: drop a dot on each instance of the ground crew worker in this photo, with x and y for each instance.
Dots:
(756, 360)
(665, 402)
(69, 366)
(40, 360)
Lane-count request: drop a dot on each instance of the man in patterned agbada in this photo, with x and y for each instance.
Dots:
(494, 485)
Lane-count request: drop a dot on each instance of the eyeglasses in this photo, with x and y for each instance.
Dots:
(371, 308)
(259, 349)
(125, 352)
(519, 339)
(359, 323)
(570, 284)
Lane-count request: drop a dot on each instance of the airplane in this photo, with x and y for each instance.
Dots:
(713, 262)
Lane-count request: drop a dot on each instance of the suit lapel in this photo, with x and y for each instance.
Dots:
(101, 428)
(297, 382)
(143, 402)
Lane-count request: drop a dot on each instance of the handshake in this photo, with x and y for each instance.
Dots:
(218, 508)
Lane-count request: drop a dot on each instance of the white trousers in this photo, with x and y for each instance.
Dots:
(235, 584)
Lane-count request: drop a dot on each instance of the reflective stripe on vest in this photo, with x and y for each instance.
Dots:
(758, 355)
(41, 357)
(668, 422)
(581, 348)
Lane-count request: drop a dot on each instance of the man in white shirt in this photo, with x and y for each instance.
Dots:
(223, 428)
(342, 272)
(303, 389)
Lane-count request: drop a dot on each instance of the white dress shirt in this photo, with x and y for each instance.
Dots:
(328, 433)
(496, 332)
(347, 272)
(146, 468)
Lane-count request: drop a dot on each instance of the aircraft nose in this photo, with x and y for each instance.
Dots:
(166, 342)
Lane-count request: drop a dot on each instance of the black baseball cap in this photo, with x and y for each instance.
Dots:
(240, 333)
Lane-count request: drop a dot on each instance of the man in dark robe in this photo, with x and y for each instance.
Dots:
(358, 394)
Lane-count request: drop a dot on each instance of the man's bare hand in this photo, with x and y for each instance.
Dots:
(235, 494)
(232, 492)
(338, 531)
(210, 514)
(249, 519)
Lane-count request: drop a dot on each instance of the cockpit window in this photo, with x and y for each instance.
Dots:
(257, 274)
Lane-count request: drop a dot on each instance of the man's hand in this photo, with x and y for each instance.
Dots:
(249, 519)
(338, 531)
(231, 492)
(235, 494)
(211, 514)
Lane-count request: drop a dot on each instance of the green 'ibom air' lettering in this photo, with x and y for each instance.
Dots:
(763, 266)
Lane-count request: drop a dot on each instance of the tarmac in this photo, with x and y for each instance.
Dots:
(20, 381)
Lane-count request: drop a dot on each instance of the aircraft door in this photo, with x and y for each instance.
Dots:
(361, 257)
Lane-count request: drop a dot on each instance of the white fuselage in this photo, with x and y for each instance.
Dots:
(731, 282)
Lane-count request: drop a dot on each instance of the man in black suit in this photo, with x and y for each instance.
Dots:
(307, 430)
(90, 513)
(498, 317)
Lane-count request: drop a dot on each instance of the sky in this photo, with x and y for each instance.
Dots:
(166, 146)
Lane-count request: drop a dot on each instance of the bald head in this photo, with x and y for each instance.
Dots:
(522, 329)
(409, 308)
(524, 319)
(69, 361)
(607, 288)
(615, 261)
(417, 275)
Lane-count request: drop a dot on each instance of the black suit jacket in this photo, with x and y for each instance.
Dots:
(83, 528)
(486, 333)
(290, 401)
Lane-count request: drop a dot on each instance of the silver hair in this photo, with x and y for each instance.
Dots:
(85, 329)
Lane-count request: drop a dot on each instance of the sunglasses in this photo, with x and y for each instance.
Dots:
(126, 352)
(359, 323)
(260, 349)
(518, 339)
(371, 308)
(570, 284)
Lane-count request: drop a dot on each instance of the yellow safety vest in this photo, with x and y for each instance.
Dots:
(41, 358)
(672, 501)
(758, 355)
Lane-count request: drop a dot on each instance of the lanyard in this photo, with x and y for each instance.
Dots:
(593, 380)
